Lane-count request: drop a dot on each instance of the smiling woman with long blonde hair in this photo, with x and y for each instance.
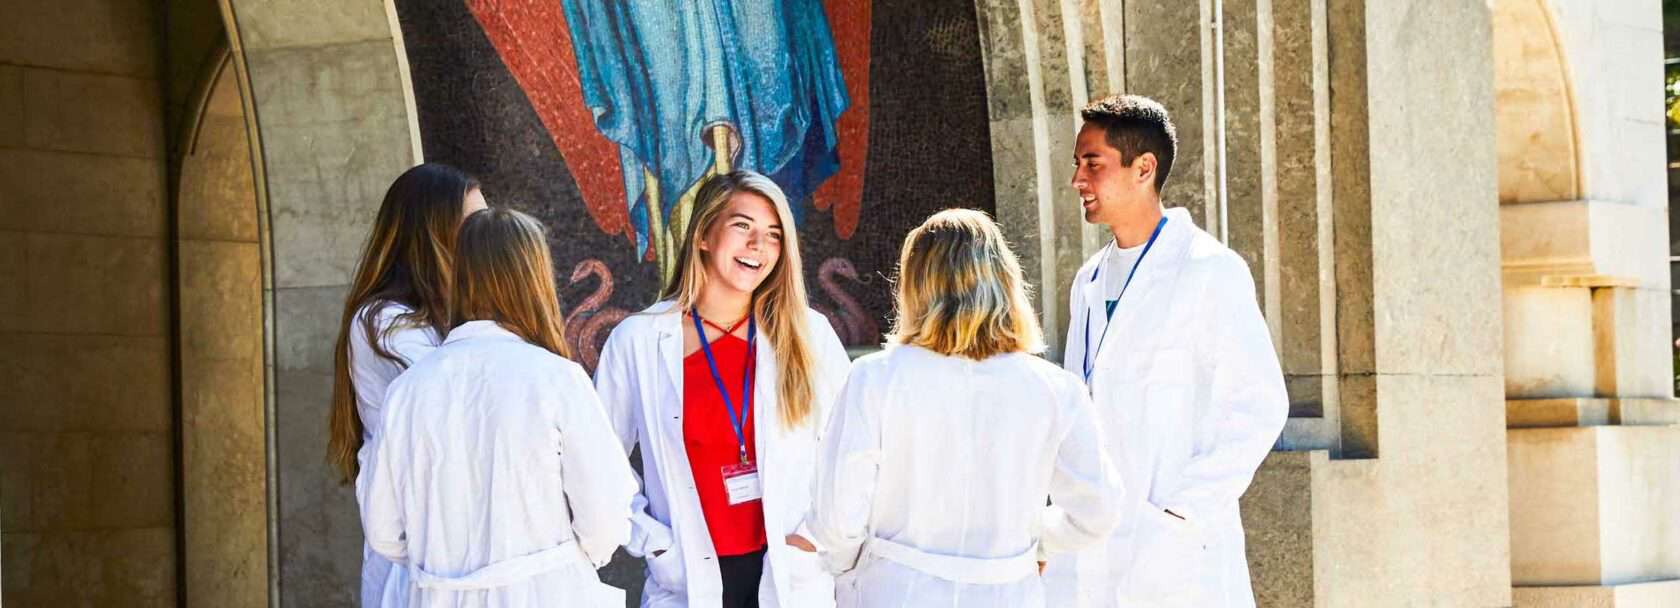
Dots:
(724, 385)
(932, 481)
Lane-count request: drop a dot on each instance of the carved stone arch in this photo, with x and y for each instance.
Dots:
(1538, 139)
(332, 121)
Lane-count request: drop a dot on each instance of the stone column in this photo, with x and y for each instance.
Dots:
(1298, 201)
(1263, 159)
(1404, 322)
(1169, 58)
(1284, 231)
(1272, 188)
(1584, 239)
(1247, 99)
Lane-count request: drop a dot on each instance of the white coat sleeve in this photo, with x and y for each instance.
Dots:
(848, 463)
(1085, 489)
(1247, 405)
(596, 475)
(615, 385)
(377, 492)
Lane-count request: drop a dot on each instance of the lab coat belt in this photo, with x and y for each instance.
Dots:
(506, 572)
(969, 570)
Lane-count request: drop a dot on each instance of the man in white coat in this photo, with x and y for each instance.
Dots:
(1167, 334)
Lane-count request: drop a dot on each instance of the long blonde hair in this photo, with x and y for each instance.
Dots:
(503, 273)
(778, 303)
(405, 261)
(960, 290)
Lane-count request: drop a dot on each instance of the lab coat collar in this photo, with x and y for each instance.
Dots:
(478, 330)
(1164, 261)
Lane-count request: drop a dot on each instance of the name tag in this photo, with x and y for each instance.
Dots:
(741, 481)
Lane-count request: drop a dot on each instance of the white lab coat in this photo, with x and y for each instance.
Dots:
(497, 481)
(370, 374)
(1189, 391)
(640, 381)
(932, 480)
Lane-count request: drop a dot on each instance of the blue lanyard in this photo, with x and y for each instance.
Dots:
(737, 420)
(1089, 357)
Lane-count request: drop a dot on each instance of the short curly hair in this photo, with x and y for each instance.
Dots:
(1135, 124)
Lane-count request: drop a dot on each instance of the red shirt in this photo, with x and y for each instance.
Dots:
(710, 438)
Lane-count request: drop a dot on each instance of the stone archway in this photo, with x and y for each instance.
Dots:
(325, 82)
(1534, 106)
(221, 271)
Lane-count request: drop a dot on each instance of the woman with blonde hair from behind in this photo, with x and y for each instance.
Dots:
(932, 480)
(497, 481)
(724, 385)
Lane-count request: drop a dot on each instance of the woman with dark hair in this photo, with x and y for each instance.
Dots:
(397, 311)
(498, 479)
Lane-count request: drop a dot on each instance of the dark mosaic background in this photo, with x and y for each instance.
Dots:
(929, 149)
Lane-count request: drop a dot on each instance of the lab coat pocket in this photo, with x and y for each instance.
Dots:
(1171, 556)
(853, 588)
(808, 578)
(666, 570)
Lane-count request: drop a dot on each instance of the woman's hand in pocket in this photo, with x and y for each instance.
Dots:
(801, 543)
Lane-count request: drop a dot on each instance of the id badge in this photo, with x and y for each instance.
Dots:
(741, 481)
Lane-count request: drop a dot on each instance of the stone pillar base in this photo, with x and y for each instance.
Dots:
(1633, 595)
(1594, 505)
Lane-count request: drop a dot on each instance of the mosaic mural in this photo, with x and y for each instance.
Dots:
(601, 117)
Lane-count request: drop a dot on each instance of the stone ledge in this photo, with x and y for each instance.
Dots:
(1581, 243)
(1590, 411)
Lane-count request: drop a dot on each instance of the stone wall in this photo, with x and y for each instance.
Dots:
(86, 429)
